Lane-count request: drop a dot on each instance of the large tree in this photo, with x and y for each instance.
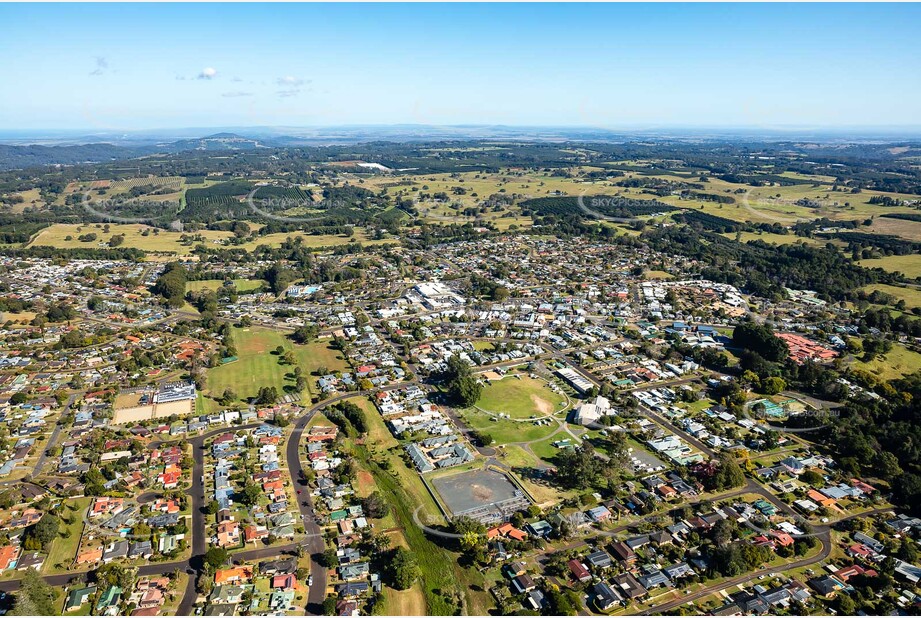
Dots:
(35, 596)
(580, 467)
(375, 506)
(729, 474)
(216, 557)
(760, 338)
(403, 569)
(463, 387)
(42, 533)
(171, 284)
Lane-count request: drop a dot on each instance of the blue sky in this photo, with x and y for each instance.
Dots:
(134, 66)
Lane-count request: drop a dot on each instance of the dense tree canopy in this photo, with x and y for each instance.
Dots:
(463, 387)
(171, 284)
(760, 338)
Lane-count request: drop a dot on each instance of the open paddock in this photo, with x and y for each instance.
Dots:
(908, 265)
(138, 236)
(911, 295)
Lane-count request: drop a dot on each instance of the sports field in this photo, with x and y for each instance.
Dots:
(506, 431)
(520, 397)
(256, 365)
(474, 489)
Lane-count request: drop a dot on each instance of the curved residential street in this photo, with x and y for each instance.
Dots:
(315, 544)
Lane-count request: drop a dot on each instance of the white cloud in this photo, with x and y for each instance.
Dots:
(101, 66)
(290, 85)
(231, 95)
(289, 81)
(208, 73)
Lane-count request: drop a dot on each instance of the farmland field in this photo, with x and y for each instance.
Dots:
(174, 182)
(908, 265)
(774, 239)
(65, 236)
(31, 198)
(313, 240)
(768, 204)
(899, 362)
(911, 296)
(910, 230)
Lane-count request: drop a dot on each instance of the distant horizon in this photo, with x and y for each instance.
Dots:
(143, 67)
(467, 131)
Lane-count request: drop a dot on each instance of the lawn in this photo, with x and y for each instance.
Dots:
(908, 265)
(365, 483)
(521, 462)
(545, 449)
(520, 397)
(320, 355)
(899, 362)
(698, 406)
(256, 365)
(911, 296)
(242, 285)
(505, 431)
(64, 550)
(174, 596)
(381, 445)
